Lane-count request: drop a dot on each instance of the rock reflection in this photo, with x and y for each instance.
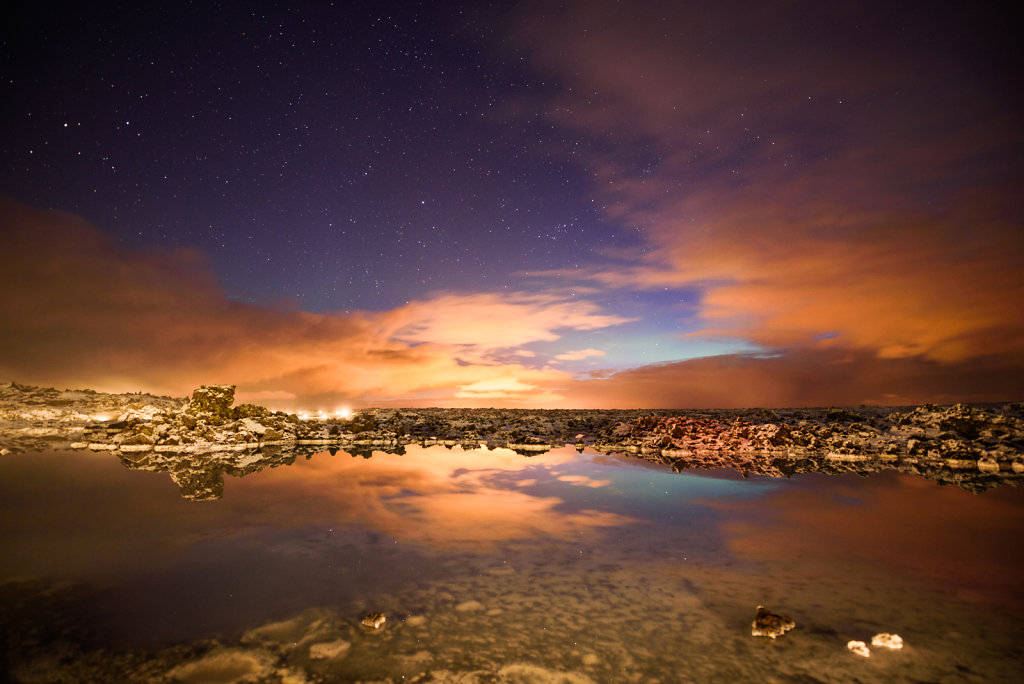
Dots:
(200, 476)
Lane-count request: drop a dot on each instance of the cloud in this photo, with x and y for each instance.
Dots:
(81, 310)
(579, 354)
(802, 377)
(850, 188)
(489, 321)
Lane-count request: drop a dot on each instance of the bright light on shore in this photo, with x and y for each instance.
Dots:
(343, 413)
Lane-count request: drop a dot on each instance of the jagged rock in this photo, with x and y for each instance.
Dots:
(373, 621)
(769, 624)
(214, 402)
(250, 411)
(927, 440)
(250, 425)
(859, 648)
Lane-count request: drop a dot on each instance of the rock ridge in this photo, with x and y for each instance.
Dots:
(972, 446)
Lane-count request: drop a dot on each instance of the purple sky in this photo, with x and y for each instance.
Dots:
(582, 204)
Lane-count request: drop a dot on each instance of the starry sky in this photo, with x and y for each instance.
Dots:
(579, 204)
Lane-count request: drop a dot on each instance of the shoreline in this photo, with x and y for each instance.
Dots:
(976, 447)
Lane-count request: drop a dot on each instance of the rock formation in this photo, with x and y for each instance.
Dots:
(975, 447)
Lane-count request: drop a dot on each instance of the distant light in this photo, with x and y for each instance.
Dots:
(344, 413)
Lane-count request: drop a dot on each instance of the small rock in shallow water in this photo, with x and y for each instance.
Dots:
(859, 647)
(374, 621)
(467, 606)
(887, 640)
(769, 624)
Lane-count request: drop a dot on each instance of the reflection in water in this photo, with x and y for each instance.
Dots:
(200, 476)
(963, 545)
(495, 566)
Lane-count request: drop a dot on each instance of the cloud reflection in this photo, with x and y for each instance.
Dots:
(442, 497)
(951, 539)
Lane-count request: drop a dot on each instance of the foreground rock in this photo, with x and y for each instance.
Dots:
(975, 447)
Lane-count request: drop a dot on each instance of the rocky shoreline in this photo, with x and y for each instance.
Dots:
(198, 440)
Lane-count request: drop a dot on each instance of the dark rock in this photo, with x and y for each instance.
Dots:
(769, 624)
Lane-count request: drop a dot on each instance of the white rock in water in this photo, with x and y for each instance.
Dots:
(329, 649)
(887, 640)
(859, 647)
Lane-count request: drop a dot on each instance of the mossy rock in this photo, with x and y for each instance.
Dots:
(250, 411)
(213, 401)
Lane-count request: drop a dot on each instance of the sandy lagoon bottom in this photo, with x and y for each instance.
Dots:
(494, 567)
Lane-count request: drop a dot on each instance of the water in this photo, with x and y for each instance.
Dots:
(492, 566)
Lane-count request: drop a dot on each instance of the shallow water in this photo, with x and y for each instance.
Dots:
(492, 566)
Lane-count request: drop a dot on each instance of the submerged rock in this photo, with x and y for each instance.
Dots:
(769, 624)
(887, 640)
(227, 666)
(858, 648)
(329, 649)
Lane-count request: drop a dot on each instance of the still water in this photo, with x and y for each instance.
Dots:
(491, 566)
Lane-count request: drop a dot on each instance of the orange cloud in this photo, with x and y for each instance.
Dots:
(802, 377)
(481, 321)
(945, 288)
(813, 190)
(579, 354)
(80, 310)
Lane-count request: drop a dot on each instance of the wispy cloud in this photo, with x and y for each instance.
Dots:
(835, 190)
(579, 354)
(81, 310)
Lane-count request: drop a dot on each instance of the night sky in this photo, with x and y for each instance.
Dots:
(590, 204)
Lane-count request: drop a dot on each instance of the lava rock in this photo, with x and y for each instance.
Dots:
(769, 624)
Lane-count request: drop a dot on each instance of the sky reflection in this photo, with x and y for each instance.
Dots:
(955, 541)
(338, 530)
